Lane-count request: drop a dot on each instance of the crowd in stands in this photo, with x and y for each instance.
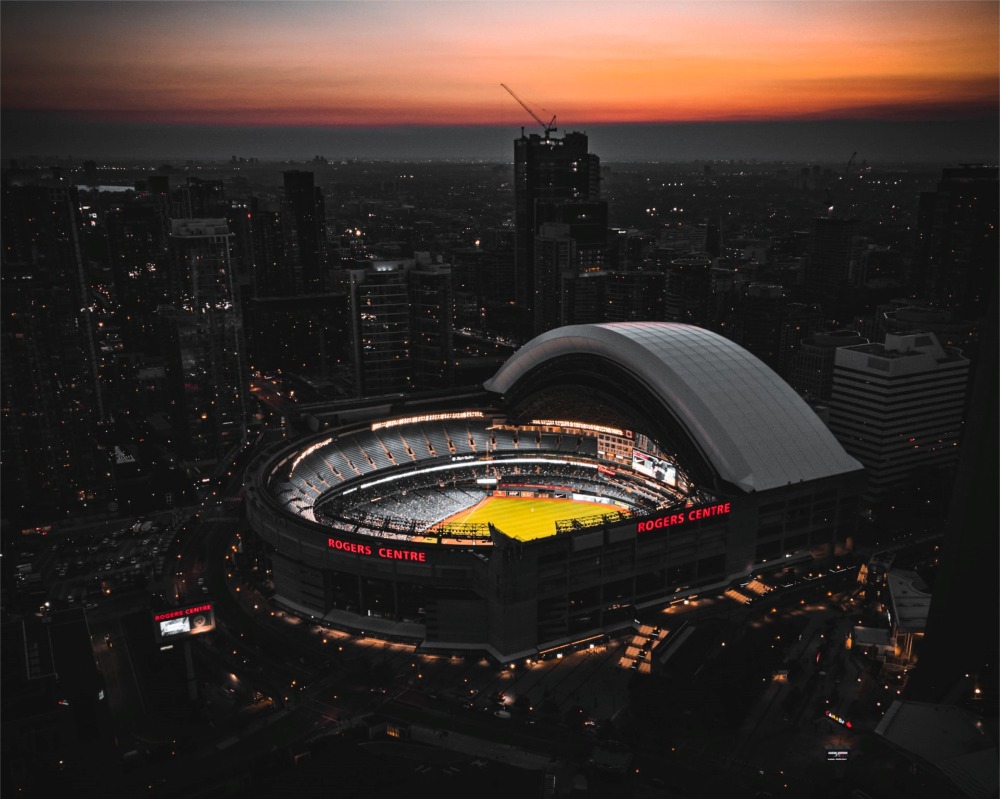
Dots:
(423, 499)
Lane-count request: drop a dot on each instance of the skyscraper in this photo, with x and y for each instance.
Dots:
(759, 321)
(402, 327)
(55, 458)
(138, 231)
(554, 253)
(381, 339)
(203, 342)
(304, 220)
(570, 247)
(547, 171)
(961, 641)
(958, 256)
(432, 309)
(832, 262)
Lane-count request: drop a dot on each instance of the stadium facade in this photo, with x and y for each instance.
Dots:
(704, 465)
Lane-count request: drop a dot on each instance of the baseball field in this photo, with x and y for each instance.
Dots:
(527, 519)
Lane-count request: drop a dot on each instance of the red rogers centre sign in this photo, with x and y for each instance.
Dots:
(691, 515)
(387, 553)
(174, 614)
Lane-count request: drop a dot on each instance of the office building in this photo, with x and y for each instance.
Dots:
(898, 408)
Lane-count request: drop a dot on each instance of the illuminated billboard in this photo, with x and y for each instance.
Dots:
(178, 623)
(654, 467)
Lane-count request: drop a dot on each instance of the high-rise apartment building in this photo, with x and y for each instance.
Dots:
(555, 256)
(898, 408)
(811, 370)
(138, 231)
(799, 320)
(203, 345)
(958, 254)
(960, 647)
(585, 297)
(304, 220)
(570, 251)
(402, 329)
(548, 171)
(634, 296)
(381, 338)
(759, 321)
(432, 310)
(306, 335)
(55, 455)
(833, 258)
(200, 199)
(688, 290)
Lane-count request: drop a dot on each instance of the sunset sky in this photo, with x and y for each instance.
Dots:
(247, 65)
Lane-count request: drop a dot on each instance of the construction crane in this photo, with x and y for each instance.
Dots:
(850, 163)
(842, 176)
(549, 128)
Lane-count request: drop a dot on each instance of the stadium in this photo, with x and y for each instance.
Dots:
(603, 470)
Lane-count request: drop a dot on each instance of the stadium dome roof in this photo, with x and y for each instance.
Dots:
(751, 426)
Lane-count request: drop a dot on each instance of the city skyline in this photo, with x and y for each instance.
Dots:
(649, 80)
(304, 411)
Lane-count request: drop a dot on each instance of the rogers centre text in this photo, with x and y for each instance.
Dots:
(692, 515)
(388, 553)
(173, 614)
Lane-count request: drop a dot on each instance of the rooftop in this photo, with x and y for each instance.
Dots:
(754, 429)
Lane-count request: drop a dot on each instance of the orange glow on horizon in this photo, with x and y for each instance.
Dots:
(383, 63)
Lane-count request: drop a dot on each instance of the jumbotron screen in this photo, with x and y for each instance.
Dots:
(177, 623)
(654, 467)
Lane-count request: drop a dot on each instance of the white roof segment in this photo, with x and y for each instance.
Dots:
(751, 425)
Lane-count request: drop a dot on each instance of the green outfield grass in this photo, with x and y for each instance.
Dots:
(526, 519)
